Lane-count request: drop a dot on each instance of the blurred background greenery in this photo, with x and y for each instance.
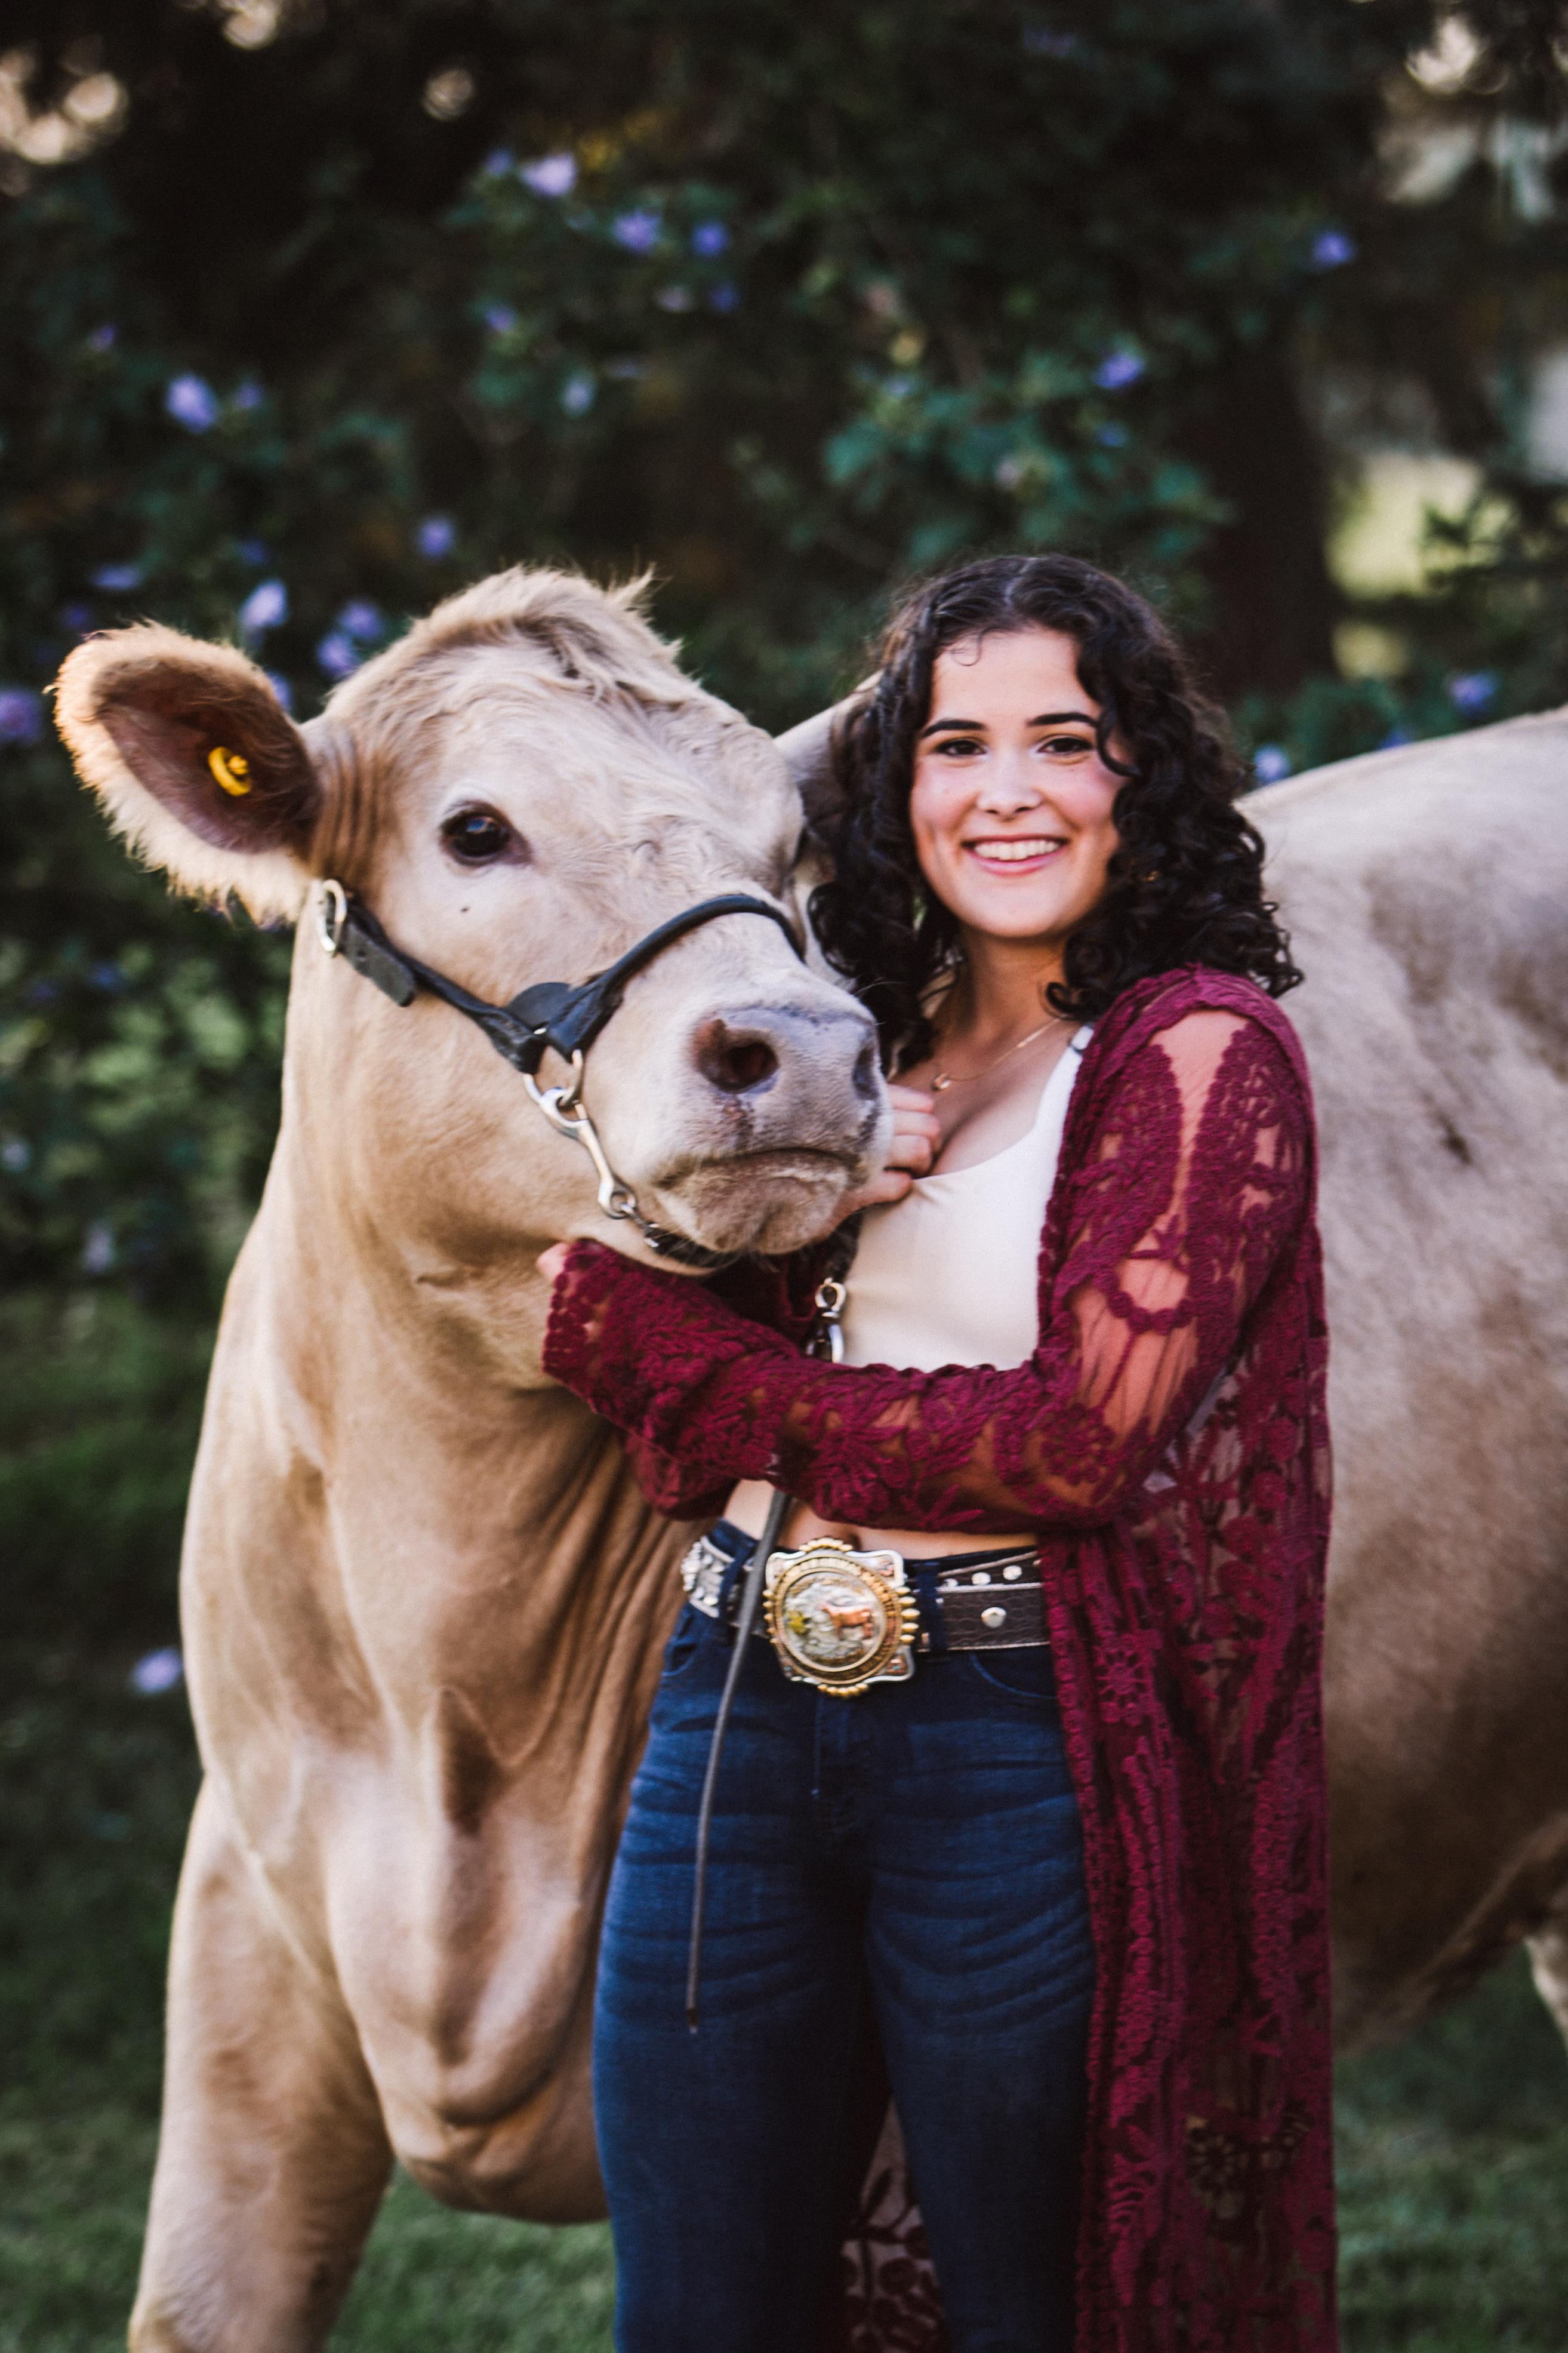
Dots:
(311, 311)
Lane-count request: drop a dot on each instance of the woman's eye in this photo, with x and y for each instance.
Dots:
(476, 835)
(958, 747)
(1067, 747)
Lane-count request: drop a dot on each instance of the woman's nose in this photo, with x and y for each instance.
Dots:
(1008, 787)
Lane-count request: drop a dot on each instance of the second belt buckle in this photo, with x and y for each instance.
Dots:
(839, 1618)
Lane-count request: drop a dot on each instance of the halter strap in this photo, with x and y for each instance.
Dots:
(551, 1013)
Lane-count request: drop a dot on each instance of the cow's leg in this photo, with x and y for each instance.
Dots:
(273, 2156)
(1549, 1963)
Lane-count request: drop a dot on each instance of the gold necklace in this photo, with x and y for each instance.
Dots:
(941, 1079)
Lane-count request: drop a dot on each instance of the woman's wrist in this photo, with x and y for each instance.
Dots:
(621, 1335)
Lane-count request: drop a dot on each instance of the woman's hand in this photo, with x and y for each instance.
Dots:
(916, 1140)
(916, 1137)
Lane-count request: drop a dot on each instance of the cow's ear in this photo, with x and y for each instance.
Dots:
(196, 762)
(808, 754)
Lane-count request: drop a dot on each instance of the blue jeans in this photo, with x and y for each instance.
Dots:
(909, 1861)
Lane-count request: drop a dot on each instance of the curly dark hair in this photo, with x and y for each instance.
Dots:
(1185, 884)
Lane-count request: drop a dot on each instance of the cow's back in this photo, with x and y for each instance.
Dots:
(1427, 892)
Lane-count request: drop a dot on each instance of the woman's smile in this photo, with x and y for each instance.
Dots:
(1012, 799)
(1016, 853)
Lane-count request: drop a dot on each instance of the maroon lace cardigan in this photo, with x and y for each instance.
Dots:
(1168, 1440)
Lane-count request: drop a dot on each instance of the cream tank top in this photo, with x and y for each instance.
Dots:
(949, 1275)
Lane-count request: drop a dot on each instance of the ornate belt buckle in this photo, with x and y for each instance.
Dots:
(839, 1619)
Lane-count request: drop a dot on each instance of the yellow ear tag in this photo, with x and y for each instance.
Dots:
(231, 770)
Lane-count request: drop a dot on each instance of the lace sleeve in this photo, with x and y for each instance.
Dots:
(779, 1293)
(1195, 1175)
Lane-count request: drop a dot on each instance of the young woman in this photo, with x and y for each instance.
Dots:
(1064, 1846)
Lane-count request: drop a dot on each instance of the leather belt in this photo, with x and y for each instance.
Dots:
(982, 1601)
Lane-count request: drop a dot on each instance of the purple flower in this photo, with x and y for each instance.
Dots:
(21, 715)
(497, 162)
(724, 299)
(552, 176)
(102, 338)
(710, 238)
(1270, 763)
(338, 654)
(1113, 436)
(192, 402)
(15, 1155)
(77, 617)
(638, 231)
(361, 620)
(1117, 369)
(250, 394)
(109, 977)
(676, 298)
(1331, 248)
(280, 688)
(577, 393)
(264, 608)
(251, 551)
(160, 1671)
(1394, 737)
(1039, 41)
(117, 579)
(498, 317)
(435, 536)
(1473, 691)
(97, 1249)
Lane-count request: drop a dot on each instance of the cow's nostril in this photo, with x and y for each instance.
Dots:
(864, 1075)
(736, 1065)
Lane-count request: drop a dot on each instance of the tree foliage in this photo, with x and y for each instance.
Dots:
(309, 314)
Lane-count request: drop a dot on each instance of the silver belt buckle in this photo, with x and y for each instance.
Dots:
(839, 1618)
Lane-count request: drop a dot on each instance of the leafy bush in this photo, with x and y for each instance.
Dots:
(309, 314)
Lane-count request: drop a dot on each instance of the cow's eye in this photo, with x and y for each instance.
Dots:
(476, 835)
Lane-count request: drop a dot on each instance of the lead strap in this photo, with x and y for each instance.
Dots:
(745, 1619)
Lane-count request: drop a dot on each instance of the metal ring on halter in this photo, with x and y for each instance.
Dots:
(562, 1106)
(332, 915)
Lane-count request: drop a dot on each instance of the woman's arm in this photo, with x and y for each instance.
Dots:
(780, 1293)
(1195, 1177)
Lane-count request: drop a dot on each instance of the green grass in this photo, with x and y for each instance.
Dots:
(1453, 2145)
(73, 2190)
(431, 2279)
(1452, 2152)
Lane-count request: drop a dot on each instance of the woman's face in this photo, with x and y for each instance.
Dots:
(1011, 804)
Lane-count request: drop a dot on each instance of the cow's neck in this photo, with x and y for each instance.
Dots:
(473, 1515)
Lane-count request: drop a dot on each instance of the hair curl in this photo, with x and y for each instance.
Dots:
(1186, 883)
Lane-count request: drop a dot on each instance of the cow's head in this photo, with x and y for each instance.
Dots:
(519, 789)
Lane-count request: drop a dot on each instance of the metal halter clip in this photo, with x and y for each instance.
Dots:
(568, 1115)
(827, 1337)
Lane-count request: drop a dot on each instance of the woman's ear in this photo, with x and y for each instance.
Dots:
(196, 762)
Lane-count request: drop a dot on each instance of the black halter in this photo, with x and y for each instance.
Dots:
(551, 1013)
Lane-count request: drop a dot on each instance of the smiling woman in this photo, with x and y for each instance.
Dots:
(1063, 1858)
(1096, 688)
